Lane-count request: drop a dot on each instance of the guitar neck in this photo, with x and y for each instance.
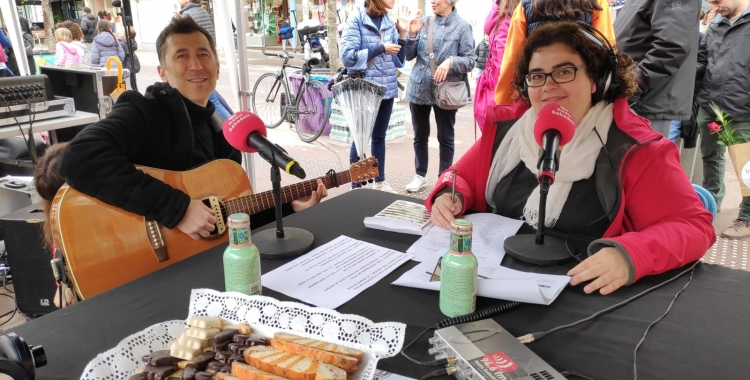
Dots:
(256, 203)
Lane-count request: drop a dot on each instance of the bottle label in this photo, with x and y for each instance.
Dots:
(239, 237)
(460, 245)
(256, 289)
(242, 274)
(458, 290)
(239, 230)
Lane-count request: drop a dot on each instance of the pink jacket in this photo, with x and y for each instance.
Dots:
(66, 54)
(661, 222)
(496, 42)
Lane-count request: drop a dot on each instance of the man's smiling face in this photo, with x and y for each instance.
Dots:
(190, 66)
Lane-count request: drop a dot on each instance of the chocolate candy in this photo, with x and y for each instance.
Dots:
(188, 373)
(226, 369)
(234, 347)
(159, 373)
(221, 346)
(225, 336)
(239, 338)
(255, 340)
(160, 359)
(223, 356)
(215, 366)
(139, 376)
(236, 358)
(204, 376)
(201, 362)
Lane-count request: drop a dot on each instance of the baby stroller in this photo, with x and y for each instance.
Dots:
(315, 44)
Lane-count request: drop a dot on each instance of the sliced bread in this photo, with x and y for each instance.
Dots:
(293, 366)
(347, 363)
(248, 372)
(325, 346)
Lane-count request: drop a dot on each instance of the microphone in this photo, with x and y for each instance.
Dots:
(246, 132)
(553, 128)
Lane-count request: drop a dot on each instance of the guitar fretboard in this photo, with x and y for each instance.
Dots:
(255, 203)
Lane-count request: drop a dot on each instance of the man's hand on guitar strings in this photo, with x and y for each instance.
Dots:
(198, 221)
(320, 193)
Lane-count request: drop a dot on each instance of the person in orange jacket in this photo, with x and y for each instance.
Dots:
(530, 14)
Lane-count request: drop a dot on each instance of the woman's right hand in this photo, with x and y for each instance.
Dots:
(391, 49)
(414, 25)
(444, 210)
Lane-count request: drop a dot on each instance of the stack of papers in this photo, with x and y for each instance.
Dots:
(495, 281)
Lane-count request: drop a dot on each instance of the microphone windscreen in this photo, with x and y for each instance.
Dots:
(239, 126)
(554, 116)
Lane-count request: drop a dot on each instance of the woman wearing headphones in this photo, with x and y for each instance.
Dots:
(620, 189)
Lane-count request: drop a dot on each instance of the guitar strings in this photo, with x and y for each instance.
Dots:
(266, 198)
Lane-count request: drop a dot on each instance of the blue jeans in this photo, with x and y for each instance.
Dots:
(445, 120)
(675, 128)
(377, 147)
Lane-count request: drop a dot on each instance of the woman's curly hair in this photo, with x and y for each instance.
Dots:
(594, 56)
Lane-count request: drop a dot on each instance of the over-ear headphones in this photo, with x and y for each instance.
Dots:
(606, 87)
(17, 360)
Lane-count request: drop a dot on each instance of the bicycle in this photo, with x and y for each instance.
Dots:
(308, 109)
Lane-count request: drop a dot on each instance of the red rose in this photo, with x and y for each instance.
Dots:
(713, 127)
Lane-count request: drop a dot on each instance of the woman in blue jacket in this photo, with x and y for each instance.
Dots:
(375, 46)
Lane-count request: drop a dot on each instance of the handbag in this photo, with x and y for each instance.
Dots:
(448, 95)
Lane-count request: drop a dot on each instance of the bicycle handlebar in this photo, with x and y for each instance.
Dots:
(280, 55)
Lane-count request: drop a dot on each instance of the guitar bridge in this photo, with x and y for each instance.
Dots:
(156, 240)
(215, 205)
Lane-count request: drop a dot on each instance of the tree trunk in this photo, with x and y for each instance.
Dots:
(49, 25)
(333, 45)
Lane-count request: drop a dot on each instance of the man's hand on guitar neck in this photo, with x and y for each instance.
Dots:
(318, 194)
(198, 221)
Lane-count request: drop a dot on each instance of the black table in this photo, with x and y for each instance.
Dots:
(703, 337)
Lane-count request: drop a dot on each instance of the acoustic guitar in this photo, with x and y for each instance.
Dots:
(105, 246)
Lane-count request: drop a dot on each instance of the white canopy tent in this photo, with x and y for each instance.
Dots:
(10, 14)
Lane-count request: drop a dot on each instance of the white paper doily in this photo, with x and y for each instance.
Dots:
(266, 316)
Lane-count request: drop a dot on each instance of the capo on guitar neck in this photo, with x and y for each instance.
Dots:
(332, 174)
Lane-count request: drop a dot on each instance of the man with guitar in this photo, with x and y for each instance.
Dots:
(167, 128)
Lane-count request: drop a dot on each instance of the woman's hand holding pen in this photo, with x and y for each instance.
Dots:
(444, 210)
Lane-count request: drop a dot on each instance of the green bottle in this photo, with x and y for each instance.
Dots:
(458, 273)
(241, 258)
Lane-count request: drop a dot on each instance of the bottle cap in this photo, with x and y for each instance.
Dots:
(238, 220)
(461, 227)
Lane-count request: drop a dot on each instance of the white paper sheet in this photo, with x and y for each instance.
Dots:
(495, 281)
(489, 233)
(507, 284)
(334, 273)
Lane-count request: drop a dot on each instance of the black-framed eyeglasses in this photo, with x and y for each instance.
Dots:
(561, 75)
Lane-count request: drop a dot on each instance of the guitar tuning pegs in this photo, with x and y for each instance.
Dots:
(370, 180)
(375, 164)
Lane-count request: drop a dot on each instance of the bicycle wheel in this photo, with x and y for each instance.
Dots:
(269, 99)
(313, 111)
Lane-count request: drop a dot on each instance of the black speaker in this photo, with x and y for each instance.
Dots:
(29, 260)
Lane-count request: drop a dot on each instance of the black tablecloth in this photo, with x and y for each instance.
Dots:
(703, 337)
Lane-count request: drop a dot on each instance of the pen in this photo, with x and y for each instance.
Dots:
(453, 187)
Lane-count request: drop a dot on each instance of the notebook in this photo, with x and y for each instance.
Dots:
(403, 217)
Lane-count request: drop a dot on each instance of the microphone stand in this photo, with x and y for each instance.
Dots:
(283, 242)
(533, 248)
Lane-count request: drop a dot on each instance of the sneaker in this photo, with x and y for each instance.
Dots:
(739, 230)
(418, 183)
(383, 186)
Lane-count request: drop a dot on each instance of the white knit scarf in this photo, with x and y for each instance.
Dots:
(577, 160)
